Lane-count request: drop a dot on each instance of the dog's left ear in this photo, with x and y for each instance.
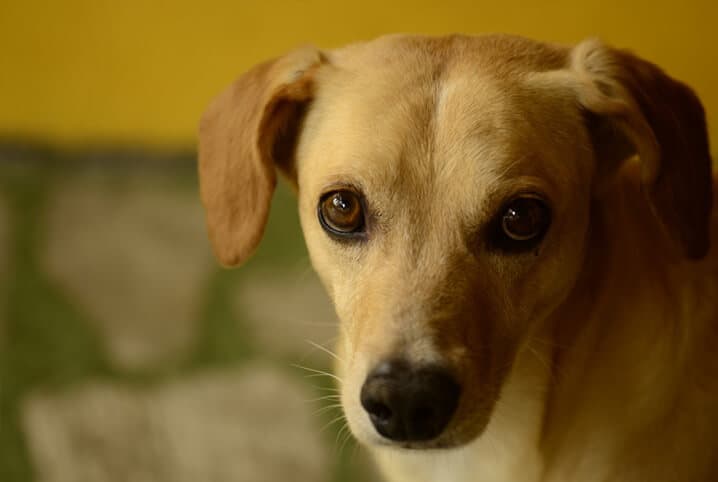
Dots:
(246, 134)
(643, 111)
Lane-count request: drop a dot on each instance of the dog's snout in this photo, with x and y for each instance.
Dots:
(410, 404)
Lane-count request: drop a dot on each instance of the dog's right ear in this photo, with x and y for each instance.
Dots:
(641, 110)
(246, 133)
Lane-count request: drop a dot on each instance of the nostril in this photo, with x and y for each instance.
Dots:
(379, 411)
(422, 413)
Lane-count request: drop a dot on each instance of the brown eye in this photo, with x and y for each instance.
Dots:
(525, 219)
(341, 213)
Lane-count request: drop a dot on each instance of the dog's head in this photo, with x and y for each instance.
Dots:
(445, 192)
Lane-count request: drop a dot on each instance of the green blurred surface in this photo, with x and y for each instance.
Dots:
(49, 342)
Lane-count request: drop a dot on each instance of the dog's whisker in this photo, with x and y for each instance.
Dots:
(555, 370)
(326, 389)
(332, 422)
(326, 408)
(310, 352)
(339, 436)
(316, 373)
(347, 437)
(357, 448)
(325, 350)
(325, 397)
(538, 356)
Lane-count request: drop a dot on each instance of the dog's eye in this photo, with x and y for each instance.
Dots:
(523, 220)
(341, 213)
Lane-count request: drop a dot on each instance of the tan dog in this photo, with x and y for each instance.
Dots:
(519, 300)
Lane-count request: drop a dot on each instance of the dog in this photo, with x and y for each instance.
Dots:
(516, 238)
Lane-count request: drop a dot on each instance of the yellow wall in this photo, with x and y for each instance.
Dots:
(132, 70)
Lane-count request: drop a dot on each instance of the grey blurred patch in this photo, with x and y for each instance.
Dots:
(131, 250)
(248, 425)
(288, 310)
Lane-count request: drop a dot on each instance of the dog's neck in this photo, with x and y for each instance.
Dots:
(626, 347)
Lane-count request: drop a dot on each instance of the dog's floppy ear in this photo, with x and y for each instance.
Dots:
(247, 132)
(637, 109)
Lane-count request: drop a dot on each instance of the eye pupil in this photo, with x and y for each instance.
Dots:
(525, 219)
(340, 203)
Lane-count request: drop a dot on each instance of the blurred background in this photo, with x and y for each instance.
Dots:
(126, 353)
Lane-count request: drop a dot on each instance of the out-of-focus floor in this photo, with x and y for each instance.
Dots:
(127, 354)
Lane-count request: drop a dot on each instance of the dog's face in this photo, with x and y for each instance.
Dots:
(445, 217)
(445, 189)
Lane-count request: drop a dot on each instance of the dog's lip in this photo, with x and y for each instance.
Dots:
(422, 446)
(442, 442)
(428, 446)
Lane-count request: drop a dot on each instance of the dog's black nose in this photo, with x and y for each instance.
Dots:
(408, 404)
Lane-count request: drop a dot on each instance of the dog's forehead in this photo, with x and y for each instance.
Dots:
(503, 54)
(413, 111)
